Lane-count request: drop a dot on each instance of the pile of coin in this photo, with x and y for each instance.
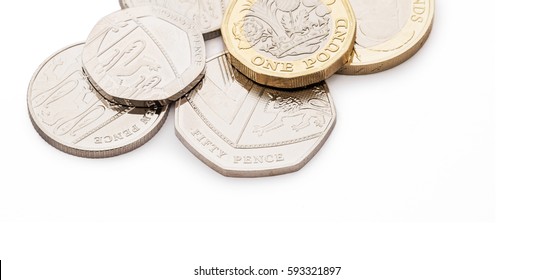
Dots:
(261, 108)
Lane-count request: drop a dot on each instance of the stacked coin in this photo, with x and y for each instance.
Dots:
(260, 109)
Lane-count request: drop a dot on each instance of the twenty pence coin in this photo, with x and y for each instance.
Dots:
(289, 43)
(69, 114)
(243, 129)
(206, 14)
(144, 56)
(389, 32)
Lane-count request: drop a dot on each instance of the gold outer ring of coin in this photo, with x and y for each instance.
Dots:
(400, 48)
(308, 67)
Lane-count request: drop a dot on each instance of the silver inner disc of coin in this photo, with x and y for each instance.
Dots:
(68, 112)
(286, 30)
(379, 20)
(206, 14)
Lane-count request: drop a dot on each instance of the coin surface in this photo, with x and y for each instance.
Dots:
(207, 14)
(289, 43)
(242, 129)
(389, 32)
(144, 56)
(67, 112)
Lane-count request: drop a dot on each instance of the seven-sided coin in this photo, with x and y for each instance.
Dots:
(144, 56)
(243, 129)
(68, 113)
(207, 14)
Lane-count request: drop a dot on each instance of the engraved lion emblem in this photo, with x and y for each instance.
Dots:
(311, 111)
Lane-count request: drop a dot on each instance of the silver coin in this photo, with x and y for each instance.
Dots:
(68, 113)
(207, 14)
(242, 129)
(378, 21)
(144, 56)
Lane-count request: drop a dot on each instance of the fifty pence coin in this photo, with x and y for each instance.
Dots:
(206, 14)
(68, 113)
(289, 43)
(144, 56)
(388, 33)
(242, 129)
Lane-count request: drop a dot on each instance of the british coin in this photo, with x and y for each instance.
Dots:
(207, 14)
(69, 114)
(389, 32)
(144, 56)
(289, 43)
(243, 129)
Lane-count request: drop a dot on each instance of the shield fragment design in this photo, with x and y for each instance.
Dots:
(131, 56)
(243, 129)
(68, 112)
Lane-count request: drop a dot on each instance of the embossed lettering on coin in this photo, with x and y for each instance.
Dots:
(289, 43)
(243, 129)
(144, 56)
(69, 114)
(388, 33)
(206, 14)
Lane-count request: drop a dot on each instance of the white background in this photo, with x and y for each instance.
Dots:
(426, 176)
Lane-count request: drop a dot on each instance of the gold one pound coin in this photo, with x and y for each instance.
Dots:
(389, 32)
(289, 43)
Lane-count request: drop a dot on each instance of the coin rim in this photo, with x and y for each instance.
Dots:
(111, 152)
(386, 63)
(289, 80)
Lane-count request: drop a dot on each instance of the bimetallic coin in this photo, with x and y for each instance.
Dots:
(206, 14)
(144, 56)
(388, 33)
(289, 43)
(70, 115)
(242, 129)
